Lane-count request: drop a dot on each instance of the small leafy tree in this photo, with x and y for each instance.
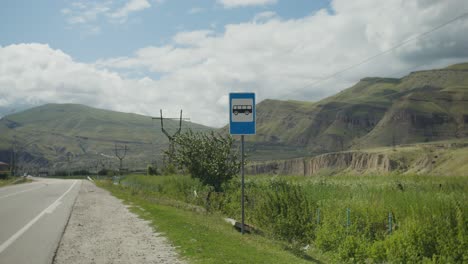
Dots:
(152, 170)
(169, 169)
(207, 156)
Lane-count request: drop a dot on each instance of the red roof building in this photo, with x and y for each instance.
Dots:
(4, 167)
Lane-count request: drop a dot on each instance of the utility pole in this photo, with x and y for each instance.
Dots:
(169, 136)
(69, 160)
(120, 153)
(13, 157)
(96, 166)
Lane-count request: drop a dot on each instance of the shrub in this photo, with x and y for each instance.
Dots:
(169, 169)
(107, 172)
(61, 173)
(207, 157)
(151, 171)
(80, 172)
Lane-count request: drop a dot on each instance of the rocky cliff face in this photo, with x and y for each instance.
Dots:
(340, 161)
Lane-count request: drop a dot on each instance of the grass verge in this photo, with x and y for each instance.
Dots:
(10, 181)
(5, 182)
(205, 238)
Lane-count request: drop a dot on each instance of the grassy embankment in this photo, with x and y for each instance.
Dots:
(200, 237)
(393, 218)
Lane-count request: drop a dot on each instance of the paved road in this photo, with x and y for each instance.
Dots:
(33, 217)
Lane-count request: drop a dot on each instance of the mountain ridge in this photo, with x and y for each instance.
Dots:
(432, 104)
(47, 134)
(424, 106)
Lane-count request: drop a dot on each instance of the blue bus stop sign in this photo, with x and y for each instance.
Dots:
(242, 113)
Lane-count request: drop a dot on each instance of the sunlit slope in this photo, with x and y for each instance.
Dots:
(50, 131)
(423, 106)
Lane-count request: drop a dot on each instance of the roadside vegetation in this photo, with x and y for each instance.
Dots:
(199, 236)
(394, 218)
(13, 180)
(6, 181)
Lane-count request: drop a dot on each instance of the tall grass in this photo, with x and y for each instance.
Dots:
(346, 216)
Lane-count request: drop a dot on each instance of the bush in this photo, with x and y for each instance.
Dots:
(207, 157)
(169, 169)
(61, 173)
(80, 173)
(151, 171)
(107, 172)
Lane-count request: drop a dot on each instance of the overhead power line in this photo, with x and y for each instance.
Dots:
(418, 36)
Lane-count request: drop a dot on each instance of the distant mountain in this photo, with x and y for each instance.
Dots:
(421, 107)
(424, 106)
(46, 134)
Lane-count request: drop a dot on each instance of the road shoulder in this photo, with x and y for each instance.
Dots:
(102, 230)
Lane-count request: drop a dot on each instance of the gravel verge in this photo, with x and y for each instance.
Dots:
(101, 229)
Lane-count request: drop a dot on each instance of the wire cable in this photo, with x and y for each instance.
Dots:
(418, 36)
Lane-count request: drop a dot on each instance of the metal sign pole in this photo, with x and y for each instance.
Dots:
(242, 172)
(242, 122)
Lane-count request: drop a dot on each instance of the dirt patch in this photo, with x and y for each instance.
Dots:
(102, 230)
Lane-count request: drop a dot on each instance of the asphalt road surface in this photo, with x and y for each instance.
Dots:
(33, 217)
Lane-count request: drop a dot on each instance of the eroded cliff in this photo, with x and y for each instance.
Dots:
(442, 159)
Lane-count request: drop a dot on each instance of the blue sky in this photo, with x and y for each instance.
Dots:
(144, 55)
(25, 21)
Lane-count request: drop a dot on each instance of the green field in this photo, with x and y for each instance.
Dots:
(374, 218)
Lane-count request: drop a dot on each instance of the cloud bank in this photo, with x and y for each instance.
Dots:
(274, 57)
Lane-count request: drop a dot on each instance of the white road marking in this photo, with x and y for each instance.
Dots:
(11, 194)
(49, 210)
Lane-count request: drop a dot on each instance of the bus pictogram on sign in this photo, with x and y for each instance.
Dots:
(242, 113)
(242, 109)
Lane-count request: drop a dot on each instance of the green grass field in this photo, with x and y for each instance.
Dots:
(342, 218)
(199, 236)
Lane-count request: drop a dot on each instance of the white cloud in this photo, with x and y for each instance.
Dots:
(263, 16)
(192, 37)
(129, 7)
(243, 3)
(88, 13)
(65, 11)
(34, 74)
(196, 10)
(279, 59)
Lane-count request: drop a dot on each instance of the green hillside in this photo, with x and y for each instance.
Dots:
(421, 107)
(46, 134)
(425, 106)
